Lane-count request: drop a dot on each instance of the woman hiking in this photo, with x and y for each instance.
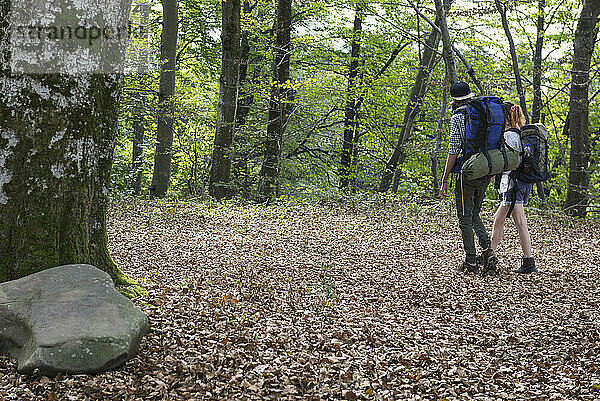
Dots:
(514, 190)
(468, 194)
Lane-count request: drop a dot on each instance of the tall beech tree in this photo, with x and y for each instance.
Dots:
(228, 97)
(57, 135)
(583, 48)
(239, 164)
(281, 95)
(166, 101)
(351, 123)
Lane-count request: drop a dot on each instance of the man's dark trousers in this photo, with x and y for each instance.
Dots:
(469, 196)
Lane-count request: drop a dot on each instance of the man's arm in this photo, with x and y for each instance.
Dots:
(457, 123)
(449, 164)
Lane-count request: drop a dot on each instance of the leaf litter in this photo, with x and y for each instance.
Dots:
(352, 302)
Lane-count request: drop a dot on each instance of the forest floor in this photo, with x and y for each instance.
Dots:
(343, 301)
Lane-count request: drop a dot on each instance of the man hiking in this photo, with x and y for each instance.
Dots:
(469, 194)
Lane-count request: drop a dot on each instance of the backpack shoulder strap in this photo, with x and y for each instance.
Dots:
(461, 110)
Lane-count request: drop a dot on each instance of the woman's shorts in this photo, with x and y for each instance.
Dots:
(523, 194)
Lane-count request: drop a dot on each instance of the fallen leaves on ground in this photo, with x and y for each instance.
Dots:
(343, 302)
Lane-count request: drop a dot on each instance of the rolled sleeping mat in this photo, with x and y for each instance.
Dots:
(477, 165)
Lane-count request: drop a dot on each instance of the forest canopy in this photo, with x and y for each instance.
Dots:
(302, 97)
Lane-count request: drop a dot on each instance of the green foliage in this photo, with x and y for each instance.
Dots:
(322, 32)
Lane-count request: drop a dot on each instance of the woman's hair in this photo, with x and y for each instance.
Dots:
(455, 104)
(514, 117)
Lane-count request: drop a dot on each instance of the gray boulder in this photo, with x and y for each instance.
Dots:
(68, 319)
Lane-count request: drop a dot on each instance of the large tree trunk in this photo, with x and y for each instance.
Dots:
(239, 169)
(137, 159)
(515, 61)
(166, 101)
(226, 110)
(278, 106)
(583, 48)
(57, 136)
(351, 124)
(412, 108)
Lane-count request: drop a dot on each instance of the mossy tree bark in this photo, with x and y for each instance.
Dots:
(57, 135)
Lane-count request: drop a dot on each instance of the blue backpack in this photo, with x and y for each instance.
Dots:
(484, 130)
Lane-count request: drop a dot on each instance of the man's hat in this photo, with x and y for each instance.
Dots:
(460, 91)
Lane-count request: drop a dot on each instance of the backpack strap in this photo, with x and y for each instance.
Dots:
(497, 181)
(462, 109)
(488, 110)
(513, 200)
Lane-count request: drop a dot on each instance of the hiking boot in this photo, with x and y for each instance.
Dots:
(527, 266)
(490, 260)
(479, 260)
(467, 267)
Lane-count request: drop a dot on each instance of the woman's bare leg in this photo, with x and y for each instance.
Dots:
(520, 220)
(498, 227)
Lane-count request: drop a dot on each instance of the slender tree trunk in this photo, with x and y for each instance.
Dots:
(515, 61)
(278, 106)
(351, 124)
(462, 58)
(245, 99)
(583, 48)
(137, 159)
(442, 23)
(166, 101)
(57, 135)
(438, 144)
(226, 112)
(536, 108)
(412, 108)
(396, 180)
